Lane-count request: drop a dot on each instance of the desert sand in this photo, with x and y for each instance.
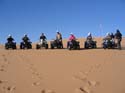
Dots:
(63, 71)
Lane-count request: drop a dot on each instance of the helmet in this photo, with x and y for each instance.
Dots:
(89, 34)
(42, 34)
(107, 34)
(117, 31)
(57, 31)
(25, 34)
(9, 35)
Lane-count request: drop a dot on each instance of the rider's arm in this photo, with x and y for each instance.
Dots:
(12, 39)
(45, 38)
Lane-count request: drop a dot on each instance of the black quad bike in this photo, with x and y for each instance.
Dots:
(73, 45)
(26, 45)
(108, 44)
(90, 44)
(56, 44)
(10, 45)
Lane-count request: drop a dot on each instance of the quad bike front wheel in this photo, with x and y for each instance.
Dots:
(37, 46)
(46, 46)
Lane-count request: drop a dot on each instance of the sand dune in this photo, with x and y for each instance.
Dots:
(62, 71)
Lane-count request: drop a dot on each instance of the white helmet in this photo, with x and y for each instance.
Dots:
(9, 35)
(107, 34)
(57, 31)
(89, 34)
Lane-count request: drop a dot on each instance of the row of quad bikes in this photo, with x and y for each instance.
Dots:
(112, 44)
(73, 45)
(23, 45)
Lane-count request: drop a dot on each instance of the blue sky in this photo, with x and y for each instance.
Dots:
(32, 17)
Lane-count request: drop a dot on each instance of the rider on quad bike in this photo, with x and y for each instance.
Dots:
(10, 43)
(26, 43)
(57, 42)
(90, 43)
(108, 41)
(59, 37)
(72, 43)
(43, 42)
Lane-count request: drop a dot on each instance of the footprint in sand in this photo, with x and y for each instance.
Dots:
(2, 68)
(5, 59)
(1, 82)
(95, 68)
(36, 83)
(88, 84)
(35, 75)
(93, 83)
(43, 91)
(47, 91)
(83, 79)
(4, 64)
(8, 89)
(4, 56)
(5, 87)
(83, 90)
(32, 68)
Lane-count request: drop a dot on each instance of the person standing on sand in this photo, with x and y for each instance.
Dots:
(118, 37)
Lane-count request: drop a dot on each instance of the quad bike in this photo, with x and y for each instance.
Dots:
(108, 44)
(42, 44)
(73, 45)
(10, 45)
(90, 44)
(56, 44)
(26, 45)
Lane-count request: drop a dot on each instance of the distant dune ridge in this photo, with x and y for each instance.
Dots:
(63, 71)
